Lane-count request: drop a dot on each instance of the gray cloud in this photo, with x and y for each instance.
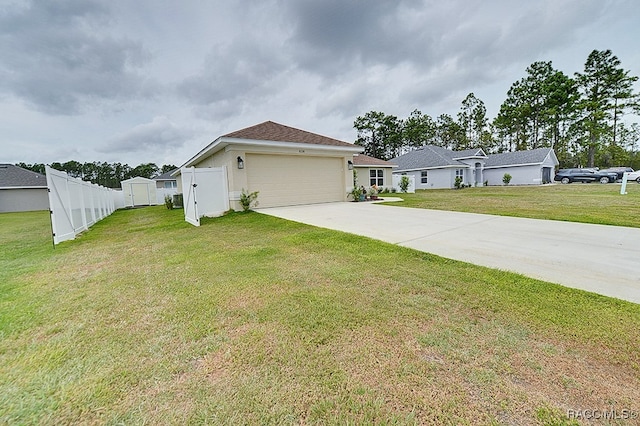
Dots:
(58, 58)
(160, 134)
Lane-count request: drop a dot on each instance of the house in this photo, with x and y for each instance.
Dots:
(436, 167)
(370, 171)
(287, 166)
(139, 191)
(22, 190)
(166, 185)
(532, 167)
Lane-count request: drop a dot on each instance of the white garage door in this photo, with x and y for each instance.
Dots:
(285, 180)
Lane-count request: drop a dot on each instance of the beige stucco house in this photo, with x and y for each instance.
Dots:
(288, 166)
(370, 171)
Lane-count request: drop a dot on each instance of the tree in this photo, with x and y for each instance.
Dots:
(538, 109)
(472, 118)
(146, 170)
(605, 90)
(417, 130)
(167, 168)
(379, 134)
(449, 134)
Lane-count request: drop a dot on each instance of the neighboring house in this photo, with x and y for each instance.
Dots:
(166, 185)
(372, 171)
(533, 167)
(435, 167)
(22, 190)
(139, 191)
(286, 165)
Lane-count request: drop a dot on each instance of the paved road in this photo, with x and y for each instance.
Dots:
(597, 258)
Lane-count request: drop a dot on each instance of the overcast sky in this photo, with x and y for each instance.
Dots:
(155, 81)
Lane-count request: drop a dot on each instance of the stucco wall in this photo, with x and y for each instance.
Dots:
(364, 178)
(521, 175)
(439, 178)
(23, 200)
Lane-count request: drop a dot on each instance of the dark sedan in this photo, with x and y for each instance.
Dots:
(584, 175)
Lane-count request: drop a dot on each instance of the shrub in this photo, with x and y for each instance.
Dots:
(247, 199)
(356, 192)
(506, 178)
(404, 183)
(168, 202)
(458, 183)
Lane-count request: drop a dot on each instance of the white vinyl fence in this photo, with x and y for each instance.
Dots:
(75, 205)
(205, 192)
(412, 183)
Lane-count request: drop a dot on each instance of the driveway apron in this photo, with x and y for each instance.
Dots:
(596, 258)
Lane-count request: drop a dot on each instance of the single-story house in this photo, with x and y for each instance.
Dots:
(139, 191)
(531, 167)
(287, 166)
(370, 171)
(166, 185)
(22, 190)
(436, 167)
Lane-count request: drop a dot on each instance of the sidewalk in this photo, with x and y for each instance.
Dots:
(597, 258)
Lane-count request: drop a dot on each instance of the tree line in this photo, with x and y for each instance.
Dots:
(580, 117)
(106, 174)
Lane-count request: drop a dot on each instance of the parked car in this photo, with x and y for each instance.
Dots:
(634, 176)
(584, 175)
(618, 170)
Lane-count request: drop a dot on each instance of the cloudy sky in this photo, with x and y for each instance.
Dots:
(155, 81)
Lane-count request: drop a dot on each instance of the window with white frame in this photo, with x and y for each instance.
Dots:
(376, 177)
(460, 174)
(170, 184)
(424, 176)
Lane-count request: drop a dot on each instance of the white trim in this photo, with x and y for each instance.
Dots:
(222, 142)
(514, 165)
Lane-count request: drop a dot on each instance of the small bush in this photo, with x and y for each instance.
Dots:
(458, 183)
(168, 202)
(247, 199)
(506, 178)
(404, 184)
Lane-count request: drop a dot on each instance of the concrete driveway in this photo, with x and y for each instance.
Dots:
(597, 258)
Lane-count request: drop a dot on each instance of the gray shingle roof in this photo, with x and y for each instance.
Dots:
(534, 156)
(166, 176)
(16, 177)
(429, 156)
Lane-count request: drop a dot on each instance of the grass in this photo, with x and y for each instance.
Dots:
(250, 319)
(587, 203)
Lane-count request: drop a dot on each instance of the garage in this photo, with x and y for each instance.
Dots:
(287, 166)
(294, 179)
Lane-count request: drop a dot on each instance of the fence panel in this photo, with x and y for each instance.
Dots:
(412, 182)
(206, 193)
(75, 205)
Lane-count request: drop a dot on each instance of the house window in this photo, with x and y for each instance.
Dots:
(170, 184)
(460, 174)
(424, 178)
(376, 177)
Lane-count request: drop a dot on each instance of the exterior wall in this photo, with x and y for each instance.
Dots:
(363, 176)
(23, 199)
(520, 175)
(237, 178)
(439, 178)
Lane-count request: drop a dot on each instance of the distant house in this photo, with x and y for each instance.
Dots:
(372, 171)
(435, 167)
(22, 190)
(166, 185)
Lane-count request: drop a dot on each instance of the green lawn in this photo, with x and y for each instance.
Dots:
(251, 319)
(576, 202)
